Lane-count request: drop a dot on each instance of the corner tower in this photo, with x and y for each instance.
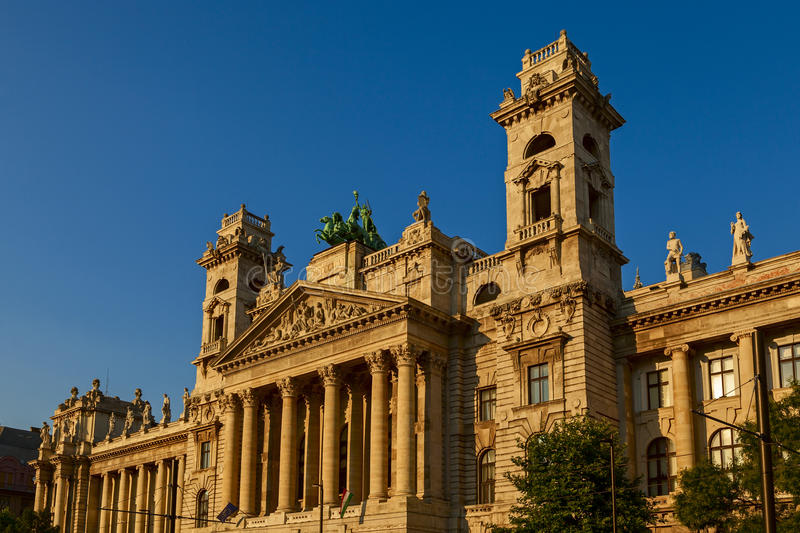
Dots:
(558, 177)
(234, 276)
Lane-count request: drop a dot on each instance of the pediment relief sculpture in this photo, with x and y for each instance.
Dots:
(307, 317)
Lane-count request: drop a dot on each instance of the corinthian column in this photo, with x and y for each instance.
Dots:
(123, 502)
(141, 499)
(746, 370)
(160, 496)
(378, 420)
(230, 460)
(405, 358)
(60, 481)
(431, 416)
(247, 491)
(105, 502)
(287, 473)
(330, 434)
(682, 405)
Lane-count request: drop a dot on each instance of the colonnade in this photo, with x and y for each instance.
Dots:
(683, 397)
(135, 499)
(311, 439)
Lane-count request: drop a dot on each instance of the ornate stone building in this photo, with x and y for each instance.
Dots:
(408, 374)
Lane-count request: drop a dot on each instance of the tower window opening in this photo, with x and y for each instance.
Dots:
(540, 204)
(539, 144)
(591, 146)
(218, 328)
(221, 286)
(594, 204)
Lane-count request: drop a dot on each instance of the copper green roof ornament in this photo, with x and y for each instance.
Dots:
(337, 230)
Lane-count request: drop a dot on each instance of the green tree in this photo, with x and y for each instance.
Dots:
(564, 479)
(704, 492)
(707, 496)
(28, 522)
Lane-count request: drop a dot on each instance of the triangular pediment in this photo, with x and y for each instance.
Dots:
(306, 311)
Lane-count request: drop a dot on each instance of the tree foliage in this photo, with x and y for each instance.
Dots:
(709, 494)
(27, 522)
(564, 478)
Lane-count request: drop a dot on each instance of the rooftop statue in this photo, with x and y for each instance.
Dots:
(741, 240)
(338, 230)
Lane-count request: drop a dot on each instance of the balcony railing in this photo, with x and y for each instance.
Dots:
(537, 228)
(213, 347)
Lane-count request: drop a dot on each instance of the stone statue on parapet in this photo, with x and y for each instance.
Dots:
(129, 419)
(112, 425)
(741, 240)
(423, 214)
(674, 254)
(166, 413)
(95, 393)
(337, 230)
(137, 399)
(186, 401)
(147, 415)
(44, 435)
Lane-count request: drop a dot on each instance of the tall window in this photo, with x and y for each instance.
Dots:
(487, 399)
(789, 361)
(389, 454)
(661, 467)
(538, 391)
(201, 515)
(722, 382)
(540, 204)
(657, 389)
(219, 327)
(724, 447)
(486, 477)
(343, 459)
(205, 454)
(301, 467)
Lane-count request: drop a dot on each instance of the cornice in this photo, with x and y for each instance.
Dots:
(706, 305)
(228, 252)
(129, 449)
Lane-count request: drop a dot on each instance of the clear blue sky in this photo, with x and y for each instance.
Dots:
(127, 129)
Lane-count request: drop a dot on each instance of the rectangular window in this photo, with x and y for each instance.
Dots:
(487, 400)
(657, 383)
(205, 454)
(722, 380)
(538, 390)
(789, 364)
(540, 203)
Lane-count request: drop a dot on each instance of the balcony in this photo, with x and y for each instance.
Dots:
(538, 228)
(214, 347)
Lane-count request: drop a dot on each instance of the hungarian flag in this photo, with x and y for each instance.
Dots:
(346, 497)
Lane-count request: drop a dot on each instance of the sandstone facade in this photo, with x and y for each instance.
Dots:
(408, 375)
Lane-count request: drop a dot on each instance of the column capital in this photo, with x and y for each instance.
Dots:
(288, 387)
(736, 336)
(329, 375)
(684, 348)
(404, 354)
(228, 402)
(377, 362)
(248, 398)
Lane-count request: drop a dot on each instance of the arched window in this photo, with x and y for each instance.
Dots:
(591, 146)
(486, 293)
(486, 477)
(661, 467)
(724, 447)
(343, 459)
(221, 286)
(539, 144)
(201, 514)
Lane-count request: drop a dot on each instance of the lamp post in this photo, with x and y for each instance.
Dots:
(613, 489)
(321, 494)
